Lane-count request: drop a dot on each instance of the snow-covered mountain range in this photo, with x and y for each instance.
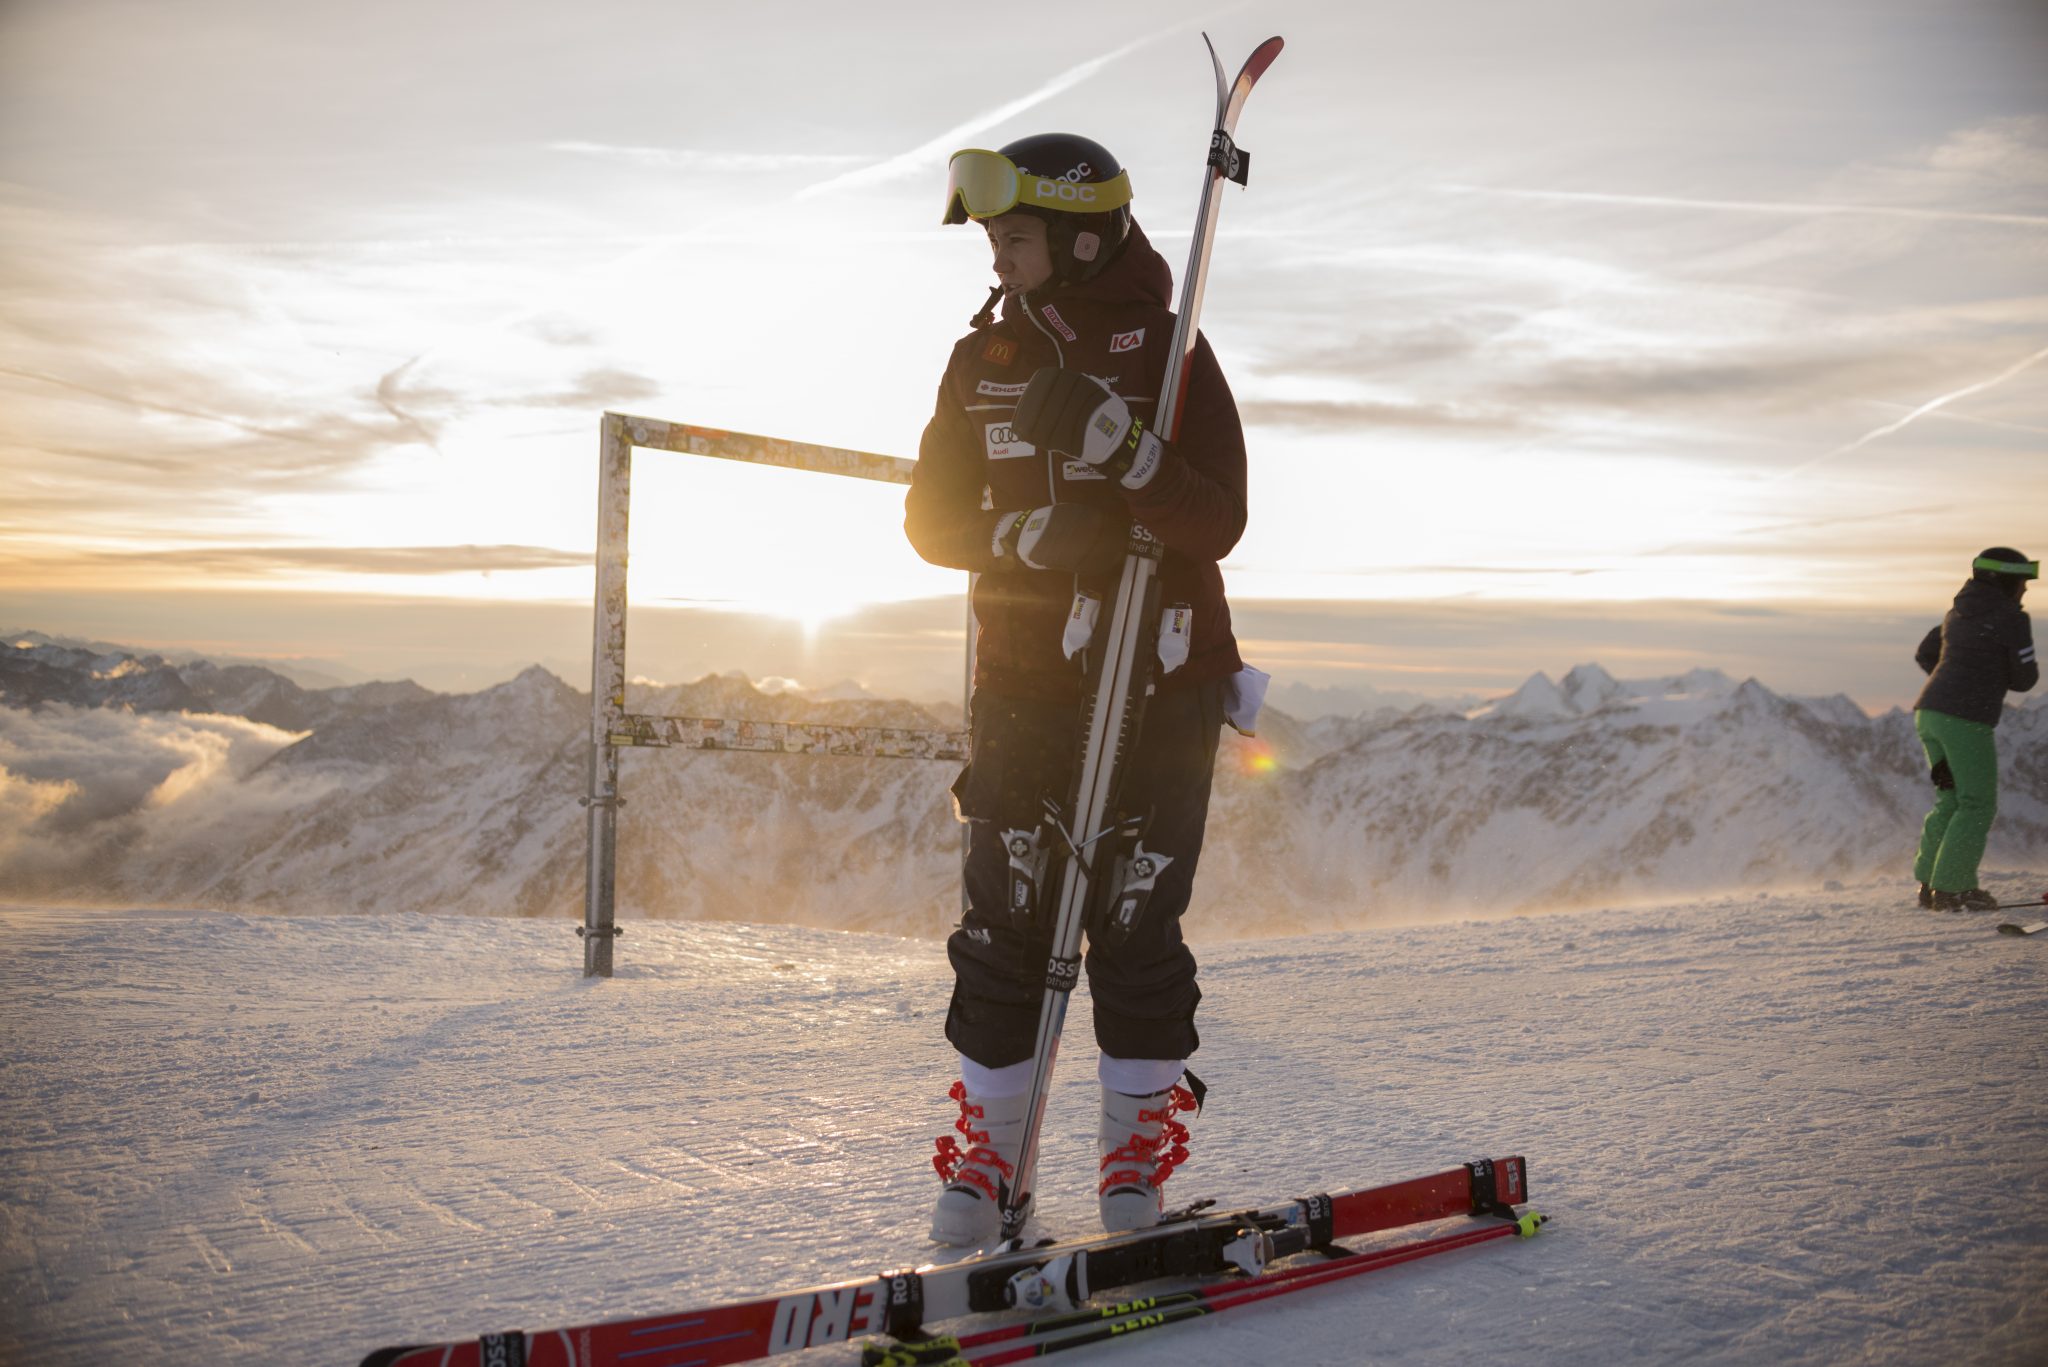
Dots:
(133, 779)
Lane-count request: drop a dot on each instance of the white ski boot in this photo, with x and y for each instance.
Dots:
(977, 1177)
(1141, 1144)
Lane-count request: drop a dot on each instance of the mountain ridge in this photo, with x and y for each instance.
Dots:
(389, 797)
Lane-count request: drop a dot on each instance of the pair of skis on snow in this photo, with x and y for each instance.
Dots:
(1233, 1254)
(1057, 1333)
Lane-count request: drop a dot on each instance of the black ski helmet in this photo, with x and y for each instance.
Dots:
(1081, 243)
(2005, 567)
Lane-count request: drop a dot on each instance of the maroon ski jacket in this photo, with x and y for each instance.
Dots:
(971, 469)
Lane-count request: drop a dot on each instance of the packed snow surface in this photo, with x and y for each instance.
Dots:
(1769, 1129)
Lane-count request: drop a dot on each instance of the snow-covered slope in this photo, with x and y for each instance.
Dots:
(1769, 1130)
(128, 780)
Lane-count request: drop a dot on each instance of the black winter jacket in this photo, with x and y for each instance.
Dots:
(1982, 648)
(971, 469)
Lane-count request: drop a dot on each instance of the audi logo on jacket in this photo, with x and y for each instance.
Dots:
(971, 469)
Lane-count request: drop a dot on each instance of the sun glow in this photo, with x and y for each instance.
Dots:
(1519, 522)
(805, 547)
(1255, 759)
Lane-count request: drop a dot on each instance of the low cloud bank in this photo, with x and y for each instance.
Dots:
(83, 790)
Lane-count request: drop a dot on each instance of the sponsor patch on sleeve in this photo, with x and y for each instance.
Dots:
(1000, 350)
(1003, 444)
(997, 390)
(1127, 341)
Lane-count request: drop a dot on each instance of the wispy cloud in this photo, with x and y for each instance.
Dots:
(388, 387)
(1781, 378)
(933, 151)
(697, 159)
(138, 404)
(1976, 420)
(1340, 415)
(402, 560)
(1932, 405)
(1781, 208)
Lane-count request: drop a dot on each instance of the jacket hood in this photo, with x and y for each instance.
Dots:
(1138, 274)
(1979, 597)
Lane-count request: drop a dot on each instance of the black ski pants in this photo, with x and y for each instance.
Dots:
(1143, 989)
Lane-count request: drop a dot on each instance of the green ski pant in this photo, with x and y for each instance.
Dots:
(1952, 838)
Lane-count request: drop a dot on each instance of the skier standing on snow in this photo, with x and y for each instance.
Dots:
(1009, 485)
(1984, 646)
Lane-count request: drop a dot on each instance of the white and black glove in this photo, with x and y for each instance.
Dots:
(1076, 415)
(1074, 538)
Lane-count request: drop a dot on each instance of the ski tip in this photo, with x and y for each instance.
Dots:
(1262, 57)
(2015, 928)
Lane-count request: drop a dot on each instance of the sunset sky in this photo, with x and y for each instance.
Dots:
(1655, 332)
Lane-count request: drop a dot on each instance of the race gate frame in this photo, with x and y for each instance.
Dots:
(613, 728)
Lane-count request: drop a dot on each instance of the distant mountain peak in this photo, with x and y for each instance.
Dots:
(1588, 688)
(1538, 699)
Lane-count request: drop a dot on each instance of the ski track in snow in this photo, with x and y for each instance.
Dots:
(1775, 1129)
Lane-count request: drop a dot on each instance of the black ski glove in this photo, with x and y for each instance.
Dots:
(1075, 415)
(1074, 538)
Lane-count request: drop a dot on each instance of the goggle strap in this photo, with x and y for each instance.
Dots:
(2026, 569)
(981, 184)
(1075, 197)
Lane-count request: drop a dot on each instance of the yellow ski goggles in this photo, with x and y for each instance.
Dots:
(2025, 569)
(983, 184)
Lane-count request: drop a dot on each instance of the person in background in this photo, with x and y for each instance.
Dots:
(1981, 649)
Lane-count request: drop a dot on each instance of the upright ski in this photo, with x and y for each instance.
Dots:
(901, 1303)
(1123, 675)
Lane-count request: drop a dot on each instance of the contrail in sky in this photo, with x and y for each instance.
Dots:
(1922, 411)
(1759, 206)
(922, 157)
(918, 159)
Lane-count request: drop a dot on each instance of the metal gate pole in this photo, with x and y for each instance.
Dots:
(607, 698)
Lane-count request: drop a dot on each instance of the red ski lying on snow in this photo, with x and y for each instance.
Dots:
(901, 1303)
(1049, 1334)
